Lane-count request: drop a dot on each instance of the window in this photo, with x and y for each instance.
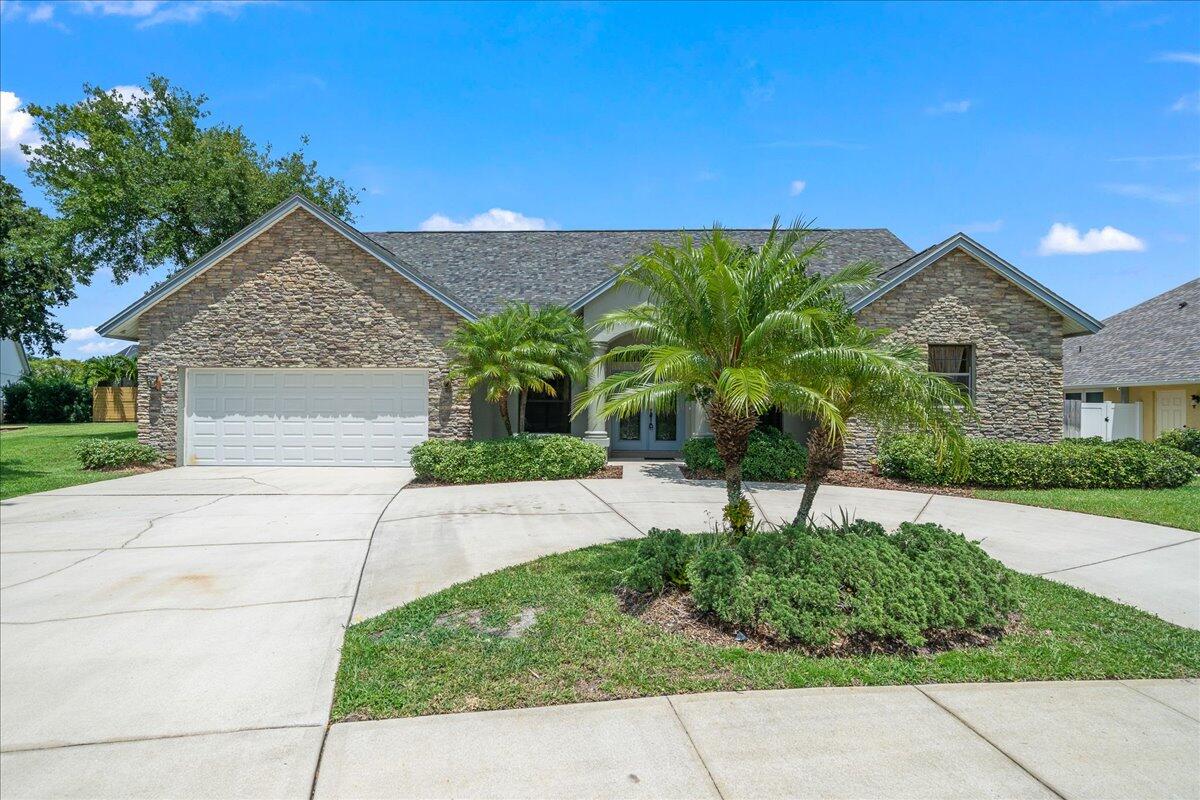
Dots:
(772, 417)
(955, 363)
(546, 414)
(1087, 397)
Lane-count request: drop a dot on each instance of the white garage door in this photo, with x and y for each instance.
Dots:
(318, 417)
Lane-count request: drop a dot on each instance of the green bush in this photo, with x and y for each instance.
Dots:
(772, 456)
(1185, 439)
(517, 458)
(47, 398)
(850, 584)
(1071, 463)
(114, 453)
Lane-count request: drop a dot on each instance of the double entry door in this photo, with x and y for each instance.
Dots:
(649, 430)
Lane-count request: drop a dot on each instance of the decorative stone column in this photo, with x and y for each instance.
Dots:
(597, 430)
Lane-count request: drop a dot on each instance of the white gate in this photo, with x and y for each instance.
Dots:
(1110, 421)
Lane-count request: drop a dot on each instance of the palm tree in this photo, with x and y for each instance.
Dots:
(114, 370)
(739, 330)
(518, 350)
(890, 387)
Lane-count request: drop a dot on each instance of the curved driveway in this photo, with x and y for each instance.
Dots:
(177, 633)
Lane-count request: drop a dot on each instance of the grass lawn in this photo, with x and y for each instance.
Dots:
(583, 648)
(42, 457)
(1179, 508)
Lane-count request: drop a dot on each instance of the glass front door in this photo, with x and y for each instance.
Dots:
(649, 430)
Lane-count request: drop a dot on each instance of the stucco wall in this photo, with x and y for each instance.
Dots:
(1147, 396)
(1017, 341)
(299, 295)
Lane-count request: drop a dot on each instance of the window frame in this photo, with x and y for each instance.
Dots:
(971, 365)
(563, 385)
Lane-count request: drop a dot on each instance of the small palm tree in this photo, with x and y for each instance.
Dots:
(518, 350)
(114, 370)
(738, 330)
(890, 387)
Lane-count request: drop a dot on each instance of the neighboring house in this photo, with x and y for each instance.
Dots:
(129, 352)
(1149, 354)
(13, 365)
(302, 340)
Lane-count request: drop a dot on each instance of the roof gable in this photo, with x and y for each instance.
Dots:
(124, 324)
(1077, 321)
(1154, 342)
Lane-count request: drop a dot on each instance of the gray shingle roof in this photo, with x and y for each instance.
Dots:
(487, 268)
(1157, 341)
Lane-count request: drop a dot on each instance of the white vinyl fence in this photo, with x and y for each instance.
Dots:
(1109, 421)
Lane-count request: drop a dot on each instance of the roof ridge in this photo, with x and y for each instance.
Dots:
(634, 230)
(1150, 300)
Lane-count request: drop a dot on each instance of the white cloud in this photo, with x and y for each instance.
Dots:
(1157, 194)
(129, 94)
(797, 187)
(950, 107)
(983, 227)
(496, 219)
(16, 127)
(1179, 58)
(1064, 239)
(30, 12)
(1188, 102)
(157, 12)
(81, 334)
(100, 346)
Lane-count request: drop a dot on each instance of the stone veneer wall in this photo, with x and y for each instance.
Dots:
(1017, 340)
(299, 295)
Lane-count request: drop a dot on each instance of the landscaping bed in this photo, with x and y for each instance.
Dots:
(850, 477)
(515, 458)
(608, 471)
(449, 652)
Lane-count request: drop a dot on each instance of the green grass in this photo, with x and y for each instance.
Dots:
(42, 457)
(1179, 508)
(583, 648)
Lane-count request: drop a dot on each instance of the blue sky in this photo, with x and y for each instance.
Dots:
(1066, 137)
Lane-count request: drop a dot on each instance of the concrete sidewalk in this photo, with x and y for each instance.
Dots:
(1099, 739)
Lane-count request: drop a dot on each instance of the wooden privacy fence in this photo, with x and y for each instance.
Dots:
(114, 404)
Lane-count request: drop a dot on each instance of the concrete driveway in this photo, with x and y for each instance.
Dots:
(177, 633)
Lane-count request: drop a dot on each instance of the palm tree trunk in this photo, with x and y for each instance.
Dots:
(823, 455)
(522, 399)
(504, 416)
(731, 433)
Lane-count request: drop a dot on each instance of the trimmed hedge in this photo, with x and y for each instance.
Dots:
(517, 458)
(849, 584)
(1185, 439)
(115, 453)
(1070, 464)
(47, 398)
(772, 456)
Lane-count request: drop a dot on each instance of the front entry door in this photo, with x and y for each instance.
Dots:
(1170, 411)
(649, 430)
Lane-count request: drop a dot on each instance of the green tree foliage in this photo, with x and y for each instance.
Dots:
(518, 350)
(138, 181)
(37, 273)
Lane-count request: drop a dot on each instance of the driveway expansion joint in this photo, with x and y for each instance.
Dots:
(1131, 687)
(610, 507)
(1017, 762)
(176, 608)
(167, 736)
(695, 749)
(1118, 558)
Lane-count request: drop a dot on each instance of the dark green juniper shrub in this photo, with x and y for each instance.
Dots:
(772, 456)
(1071, 463)
(517, 458)
(844, 585)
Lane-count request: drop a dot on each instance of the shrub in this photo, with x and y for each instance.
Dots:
(114, 453)
(822, 587)
(48, 397)
(771, 456)
(518, 458)
(1072, 464)
(1185, 439)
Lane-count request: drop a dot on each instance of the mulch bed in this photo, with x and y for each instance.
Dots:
(848, 477)
(615, 471)
(674, 612)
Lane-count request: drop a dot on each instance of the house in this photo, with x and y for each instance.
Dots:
(1148, 354)
(302, 340)
(13, 365)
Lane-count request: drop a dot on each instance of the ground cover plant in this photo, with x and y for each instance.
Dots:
(38, 458)
(770, 456)
(583, 645)
(1071, 463)
(518, 458)
(101, 453)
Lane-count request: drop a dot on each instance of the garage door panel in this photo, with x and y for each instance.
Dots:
(297, 417)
